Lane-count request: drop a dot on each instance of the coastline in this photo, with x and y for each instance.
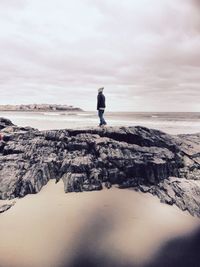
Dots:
(38, 107)
(171, 123)
(43, 110)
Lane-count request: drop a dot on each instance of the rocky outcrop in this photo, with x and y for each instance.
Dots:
(182, 192)
(88, 160)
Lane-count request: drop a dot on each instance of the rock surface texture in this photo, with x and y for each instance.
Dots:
(90, 159)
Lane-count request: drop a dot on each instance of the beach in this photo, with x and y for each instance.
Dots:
(52, 228)
(169, 122)
(100, 133)
(111, 227)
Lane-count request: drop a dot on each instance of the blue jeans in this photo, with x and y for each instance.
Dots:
(102, 121)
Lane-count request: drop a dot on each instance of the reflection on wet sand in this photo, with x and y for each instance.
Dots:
(107, 228)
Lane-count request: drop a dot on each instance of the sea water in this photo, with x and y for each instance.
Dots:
(169, 122)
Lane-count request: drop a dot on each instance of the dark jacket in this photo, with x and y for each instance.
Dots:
(101, 101)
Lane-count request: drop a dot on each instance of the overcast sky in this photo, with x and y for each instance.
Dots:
(146, 53)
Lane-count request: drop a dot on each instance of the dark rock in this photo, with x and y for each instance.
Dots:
(73, 182)
(78, 164)
(108, 185)
(5, 123)
(6, 207)
(85, 160)
(129, 183)
(92, 187)
(182, 192)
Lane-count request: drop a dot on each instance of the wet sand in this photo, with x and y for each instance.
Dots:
(52, 228)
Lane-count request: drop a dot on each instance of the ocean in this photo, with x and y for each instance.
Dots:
(169, 122)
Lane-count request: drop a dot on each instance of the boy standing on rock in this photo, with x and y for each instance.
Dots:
(101, 105)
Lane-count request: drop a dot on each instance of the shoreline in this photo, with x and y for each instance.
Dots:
(171, 123)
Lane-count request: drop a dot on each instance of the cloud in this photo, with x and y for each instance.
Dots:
(145, 51)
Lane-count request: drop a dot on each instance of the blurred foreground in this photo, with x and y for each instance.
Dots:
(106, 228)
